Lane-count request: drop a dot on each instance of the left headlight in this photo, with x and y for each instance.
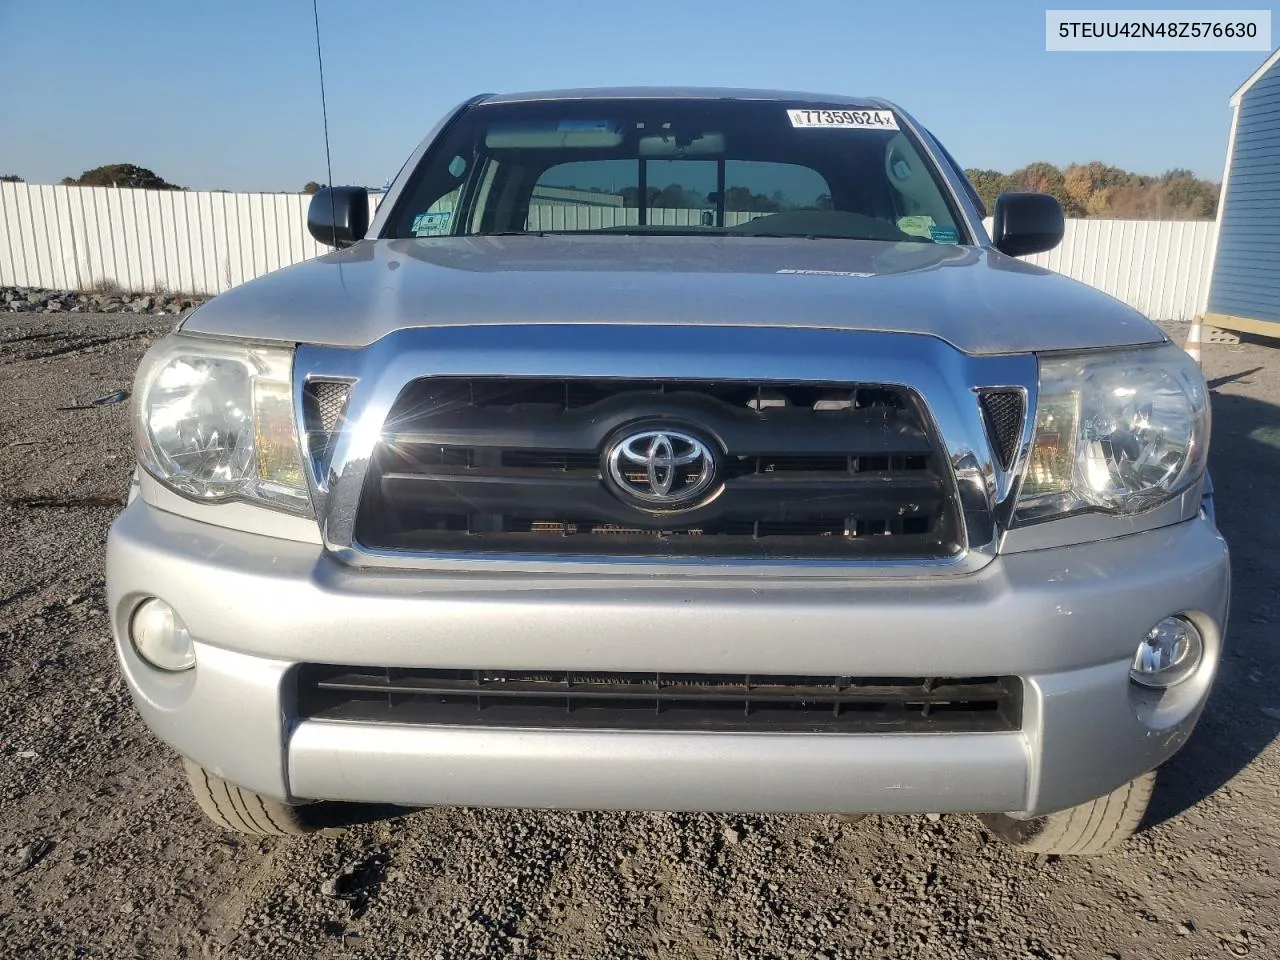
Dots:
(1116, 432)
(214, 421)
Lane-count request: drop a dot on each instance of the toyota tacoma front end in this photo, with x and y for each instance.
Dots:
(673, 450)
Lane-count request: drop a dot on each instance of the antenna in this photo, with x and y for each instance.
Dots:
(324, 113)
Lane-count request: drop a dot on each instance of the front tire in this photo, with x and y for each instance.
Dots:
(240, 810)
(1089, 829)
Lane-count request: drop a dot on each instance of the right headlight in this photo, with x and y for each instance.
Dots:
(214, 422)
(1117, 432)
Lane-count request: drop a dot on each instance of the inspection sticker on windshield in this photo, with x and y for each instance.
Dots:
(855, 119)
(432, 224)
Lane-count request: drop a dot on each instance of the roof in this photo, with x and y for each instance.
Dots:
(685, 93)
(1257, 75)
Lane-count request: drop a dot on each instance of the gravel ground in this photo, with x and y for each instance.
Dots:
(103, 854)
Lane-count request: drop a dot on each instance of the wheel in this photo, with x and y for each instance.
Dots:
(1087, 830)
(243, 811)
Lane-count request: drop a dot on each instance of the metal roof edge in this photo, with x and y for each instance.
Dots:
(678, 93)
(1255, 77)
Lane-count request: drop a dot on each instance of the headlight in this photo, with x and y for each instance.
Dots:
(214, 421)
(1115, 432)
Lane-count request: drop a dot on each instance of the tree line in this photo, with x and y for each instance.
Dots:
(1093, 189)
(129, 176)
(1100, 191)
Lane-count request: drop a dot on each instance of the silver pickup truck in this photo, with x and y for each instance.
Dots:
(673, 449)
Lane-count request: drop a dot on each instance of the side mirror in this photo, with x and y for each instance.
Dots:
(338, 216)
(1027, 223)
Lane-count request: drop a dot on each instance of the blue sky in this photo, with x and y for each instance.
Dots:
(224, 94)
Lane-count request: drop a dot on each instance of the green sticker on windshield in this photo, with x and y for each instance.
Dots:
(916, 226)
(944, 234)
(431, 224)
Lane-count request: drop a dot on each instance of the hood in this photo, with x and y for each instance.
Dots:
(976, 299)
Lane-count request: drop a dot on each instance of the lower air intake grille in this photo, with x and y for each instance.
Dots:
(659, 701)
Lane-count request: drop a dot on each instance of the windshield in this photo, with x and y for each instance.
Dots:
(698, 167)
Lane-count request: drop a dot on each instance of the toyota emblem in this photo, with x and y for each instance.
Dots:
(661, 468)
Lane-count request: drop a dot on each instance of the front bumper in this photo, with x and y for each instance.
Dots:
(1065, 620)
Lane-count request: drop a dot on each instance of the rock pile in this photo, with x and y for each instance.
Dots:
(25, 300)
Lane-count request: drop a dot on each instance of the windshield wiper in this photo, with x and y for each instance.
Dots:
(827, 236)
(640, 231)
(797, 236)
(676, 232)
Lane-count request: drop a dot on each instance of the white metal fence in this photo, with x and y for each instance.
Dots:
(145, 240)
(1160, 267)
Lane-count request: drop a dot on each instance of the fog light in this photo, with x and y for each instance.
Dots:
(1169, 654)
(160, 636)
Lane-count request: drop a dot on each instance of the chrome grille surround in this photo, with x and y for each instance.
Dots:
(947, 381)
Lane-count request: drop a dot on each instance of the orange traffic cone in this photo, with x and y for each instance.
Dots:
(1194, 339)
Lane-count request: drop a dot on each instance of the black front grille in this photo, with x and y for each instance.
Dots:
(517, 466)
(659, 701)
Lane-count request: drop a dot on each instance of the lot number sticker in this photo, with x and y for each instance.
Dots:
(854, 119)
